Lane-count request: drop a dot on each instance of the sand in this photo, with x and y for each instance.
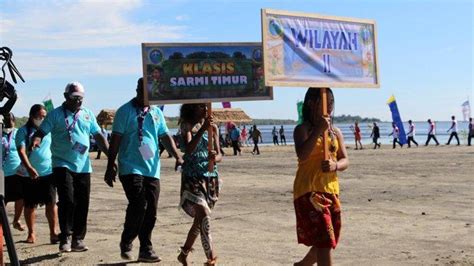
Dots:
(400, 207)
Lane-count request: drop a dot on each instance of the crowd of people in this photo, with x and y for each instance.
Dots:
(49, 157)
(410, 135)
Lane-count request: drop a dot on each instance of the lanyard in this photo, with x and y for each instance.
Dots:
(141, 114)
(70, 127)
(6, 146)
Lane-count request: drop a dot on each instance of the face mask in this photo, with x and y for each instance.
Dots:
(7, 130)
(37, 122)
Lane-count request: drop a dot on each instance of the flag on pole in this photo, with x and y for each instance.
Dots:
(466, 110)
(226, 105)
(48, 104)
(299, 107)
(397, 119)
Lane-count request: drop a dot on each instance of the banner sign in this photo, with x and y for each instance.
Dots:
(203, 72)
(306, 50)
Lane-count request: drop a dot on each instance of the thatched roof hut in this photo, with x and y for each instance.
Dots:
(235, 115)
(106, 117)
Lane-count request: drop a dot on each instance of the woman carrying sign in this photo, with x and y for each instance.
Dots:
(199, 187)
(316, 186)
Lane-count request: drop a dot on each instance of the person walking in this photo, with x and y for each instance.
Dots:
(36, 166)
(199, 184)
(136, 133)
(396, 135)
(256, 135)
(411, 134)
(375, 135)
(282, 135)
(431, 133)
(275, 136)
(470, 131)
(243, 137)
(454, 130)
(357, 136)
(14, 183)
(316, 186)
(70, 126)
(235, 138)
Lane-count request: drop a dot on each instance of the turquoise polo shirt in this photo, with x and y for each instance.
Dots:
(62, 143)
(11, 159)
(130, 160)
(40, 158)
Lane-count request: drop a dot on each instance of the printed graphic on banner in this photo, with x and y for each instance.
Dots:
(184, 73)
(309, 50)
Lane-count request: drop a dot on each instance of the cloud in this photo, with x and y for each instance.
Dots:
(44, 66)
(182, 17)
(77, 25)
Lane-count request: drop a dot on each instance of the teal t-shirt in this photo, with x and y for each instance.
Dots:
(130, 159)
(10, 158)
(40, 158)
(70, 148)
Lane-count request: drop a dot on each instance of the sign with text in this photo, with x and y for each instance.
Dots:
(306, 50)
(203, 72)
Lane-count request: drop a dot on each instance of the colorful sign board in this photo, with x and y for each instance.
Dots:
(203, 72)
(307, 50)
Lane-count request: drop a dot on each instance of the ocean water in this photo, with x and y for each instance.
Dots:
(421, 131)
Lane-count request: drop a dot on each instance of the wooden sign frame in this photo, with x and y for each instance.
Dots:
(265, 37)
(200, 100)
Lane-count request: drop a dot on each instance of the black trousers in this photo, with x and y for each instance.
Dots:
(255, 147)
(73, 201)
(395, 141)
(453, 134)
(282, 139)
(375, 141)
(410, 139)
(235, 146)
(275, 140)
(142, 193)
(469, 140)
(431, 137)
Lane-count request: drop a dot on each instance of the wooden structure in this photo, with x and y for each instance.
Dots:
(235, 115)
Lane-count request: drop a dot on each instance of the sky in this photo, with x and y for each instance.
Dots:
(425, 50)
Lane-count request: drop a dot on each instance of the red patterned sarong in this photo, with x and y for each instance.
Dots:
(318, 219)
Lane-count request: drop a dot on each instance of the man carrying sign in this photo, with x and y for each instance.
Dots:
(137, 132)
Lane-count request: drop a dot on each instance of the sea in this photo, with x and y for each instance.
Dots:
(421, 132)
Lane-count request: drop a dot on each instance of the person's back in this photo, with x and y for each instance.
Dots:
(376, 132)
(255, 135)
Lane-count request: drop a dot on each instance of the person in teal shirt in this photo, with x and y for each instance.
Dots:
(14, 183)
(36, 166)
(70, 126)
(136, 134)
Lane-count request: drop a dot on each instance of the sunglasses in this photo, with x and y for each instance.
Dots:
(76, 98)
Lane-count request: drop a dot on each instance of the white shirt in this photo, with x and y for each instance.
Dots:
(412, 130)
(395, 132)
(455, 126)
(432, 129)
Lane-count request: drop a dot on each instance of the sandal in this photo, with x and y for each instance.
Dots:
(183, 255)
(31, 239)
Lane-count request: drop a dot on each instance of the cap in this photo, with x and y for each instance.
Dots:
(74, 89)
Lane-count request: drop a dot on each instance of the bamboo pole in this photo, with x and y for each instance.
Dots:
(324, 97)
(210, 138)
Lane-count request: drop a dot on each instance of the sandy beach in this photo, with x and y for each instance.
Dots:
(400, 207)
